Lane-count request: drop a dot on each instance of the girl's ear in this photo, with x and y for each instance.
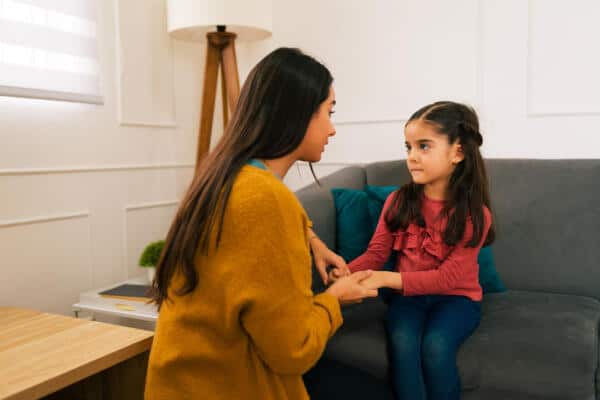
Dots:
(459, 155)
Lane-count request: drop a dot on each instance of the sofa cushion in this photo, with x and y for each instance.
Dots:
(495, 394)
(539, 344)
(360, 342)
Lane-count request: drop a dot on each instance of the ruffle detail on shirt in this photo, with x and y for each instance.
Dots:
(428, 240)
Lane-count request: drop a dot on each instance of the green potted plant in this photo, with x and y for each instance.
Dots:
(150, 256)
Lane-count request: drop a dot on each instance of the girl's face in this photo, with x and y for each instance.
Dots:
(318, 132)
(430, 158)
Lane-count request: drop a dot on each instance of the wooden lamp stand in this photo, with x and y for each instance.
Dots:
(220, 51)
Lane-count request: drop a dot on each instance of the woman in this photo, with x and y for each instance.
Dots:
(238, 319)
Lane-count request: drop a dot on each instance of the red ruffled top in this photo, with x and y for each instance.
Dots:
(427, 264)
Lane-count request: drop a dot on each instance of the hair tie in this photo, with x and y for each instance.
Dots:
(468, 132)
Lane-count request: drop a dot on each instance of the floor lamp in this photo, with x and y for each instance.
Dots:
(219, 23)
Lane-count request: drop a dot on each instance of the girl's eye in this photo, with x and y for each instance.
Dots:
(424, 146)
(407, 148)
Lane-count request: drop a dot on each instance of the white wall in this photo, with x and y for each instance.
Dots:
(83, 188)
(528, 66)
(81, 192)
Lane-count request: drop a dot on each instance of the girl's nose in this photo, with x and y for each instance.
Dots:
(410, 156)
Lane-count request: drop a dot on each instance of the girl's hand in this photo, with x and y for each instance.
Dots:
(324, 257)
(380, 279)
(349, 289)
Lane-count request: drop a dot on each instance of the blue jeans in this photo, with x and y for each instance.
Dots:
(424, 334)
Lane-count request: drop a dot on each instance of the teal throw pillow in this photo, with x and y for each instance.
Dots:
(377, 195)
(354, 226)
(488, 276)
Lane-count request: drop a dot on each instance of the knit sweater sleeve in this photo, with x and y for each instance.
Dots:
(288, 325)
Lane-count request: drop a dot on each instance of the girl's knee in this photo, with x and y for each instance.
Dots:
(438, 351)
(404, 345)
(404, 340)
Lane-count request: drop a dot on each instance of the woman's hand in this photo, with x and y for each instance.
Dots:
(337, 273)
(349, 289)
(324, 257)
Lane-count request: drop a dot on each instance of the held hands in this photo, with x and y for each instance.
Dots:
(349, 289)
(381, 279)
(373, 281)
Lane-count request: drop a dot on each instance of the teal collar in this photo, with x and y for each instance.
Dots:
(261, 165)
(257, 163)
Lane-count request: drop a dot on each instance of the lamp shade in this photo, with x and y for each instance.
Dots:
(193, 19)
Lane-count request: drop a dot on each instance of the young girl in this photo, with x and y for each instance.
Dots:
(437, 223)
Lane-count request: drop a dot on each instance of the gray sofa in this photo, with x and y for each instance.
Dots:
(539, 339)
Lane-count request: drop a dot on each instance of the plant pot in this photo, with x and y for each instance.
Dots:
(150, 271)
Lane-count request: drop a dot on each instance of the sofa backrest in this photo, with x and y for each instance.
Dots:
(547, 215)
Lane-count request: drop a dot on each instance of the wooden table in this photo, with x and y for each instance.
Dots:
(63, 358)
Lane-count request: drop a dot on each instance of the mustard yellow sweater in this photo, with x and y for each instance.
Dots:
(252, 326)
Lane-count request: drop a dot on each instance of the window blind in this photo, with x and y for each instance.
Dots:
(49, 50)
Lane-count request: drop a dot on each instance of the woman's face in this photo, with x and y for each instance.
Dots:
(318, 132)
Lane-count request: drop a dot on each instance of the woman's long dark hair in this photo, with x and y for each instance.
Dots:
(276, 103)
(468, 189)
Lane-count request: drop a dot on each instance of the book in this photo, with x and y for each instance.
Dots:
(129, 292)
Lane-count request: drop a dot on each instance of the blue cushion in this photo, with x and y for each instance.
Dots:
(357, 214)
(377, 196)
(380, 193)
(354, 225)
(488, 276)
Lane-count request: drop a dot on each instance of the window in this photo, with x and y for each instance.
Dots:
(48, 50)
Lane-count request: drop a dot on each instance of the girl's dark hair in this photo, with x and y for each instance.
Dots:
(277, 101)
(468, 189)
